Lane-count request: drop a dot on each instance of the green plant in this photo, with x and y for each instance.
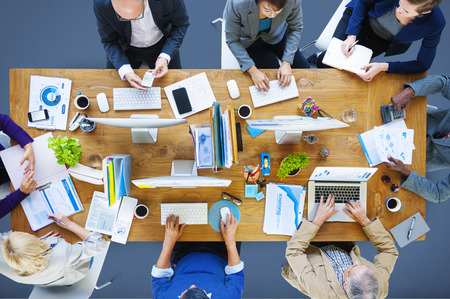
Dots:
(291, 163)
(67, 150)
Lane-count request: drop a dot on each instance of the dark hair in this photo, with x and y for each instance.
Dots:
(195, 293)
(425, 5)
(279, 4)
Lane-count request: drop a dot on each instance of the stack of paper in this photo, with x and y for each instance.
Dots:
(284, 208)
(392, 139)
(117, 177)
(112, 220)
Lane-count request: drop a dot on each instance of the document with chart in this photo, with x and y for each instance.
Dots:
(55, 191)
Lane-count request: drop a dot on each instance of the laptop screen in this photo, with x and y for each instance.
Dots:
(342, 174)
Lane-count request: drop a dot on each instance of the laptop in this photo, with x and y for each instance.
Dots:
(346, 183)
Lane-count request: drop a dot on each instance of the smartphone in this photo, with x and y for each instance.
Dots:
(38, 115)
(182, 100)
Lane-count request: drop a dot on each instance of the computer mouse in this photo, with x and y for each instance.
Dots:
(102, 102)
(233, 89)
(223, 214)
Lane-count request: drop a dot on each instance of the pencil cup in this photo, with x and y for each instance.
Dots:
(141, 211)
(393, 204)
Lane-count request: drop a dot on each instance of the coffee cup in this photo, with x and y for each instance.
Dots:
(244, 111)
(141, 211)
(81, 101)
(393, 204)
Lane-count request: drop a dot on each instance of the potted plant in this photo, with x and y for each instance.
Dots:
(67, 150)
(292, 164)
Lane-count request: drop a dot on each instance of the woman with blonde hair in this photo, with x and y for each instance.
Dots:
(49, 260)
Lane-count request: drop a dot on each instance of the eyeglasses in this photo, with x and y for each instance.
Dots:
(231, 198)
(139, 17)
(387, 180)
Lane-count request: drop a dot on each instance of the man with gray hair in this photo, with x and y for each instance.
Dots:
(337, 270)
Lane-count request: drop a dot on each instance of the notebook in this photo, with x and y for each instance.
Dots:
(335, 58)
(346, 183)
(400, 232)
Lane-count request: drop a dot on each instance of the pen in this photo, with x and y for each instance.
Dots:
(354, 44)
(57, 220)
(411, 227)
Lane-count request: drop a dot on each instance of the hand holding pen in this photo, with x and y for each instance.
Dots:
(59, 218)
(348, 46)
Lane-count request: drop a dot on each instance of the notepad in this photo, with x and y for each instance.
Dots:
(335, 58)
(400, 232)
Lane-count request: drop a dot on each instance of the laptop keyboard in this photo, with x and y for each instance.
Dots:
(342, 193)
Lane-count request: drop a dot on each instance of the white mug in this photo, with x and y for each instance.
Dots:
(242, 111)
(393, 204)
(141, 207)
(81, 101)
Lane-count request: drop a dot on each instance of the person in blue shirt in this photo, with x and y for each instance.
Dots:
(438, 139)
(201, 270)
(390, 26)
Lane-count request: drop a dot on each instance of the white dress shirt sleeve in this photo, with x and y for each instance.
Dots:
(158, 273)
(234, 269)
(125, 69)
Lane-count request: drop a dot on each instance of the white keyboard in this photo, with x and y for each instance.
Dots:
(275, 93)
(135, 99)
(189, 213)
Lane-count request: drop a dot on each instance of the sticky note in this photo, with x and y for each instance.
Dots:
(254, 132)
(251, 190)
(259, 196)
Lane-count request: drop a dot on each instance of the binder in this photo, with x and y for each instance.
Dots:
(222, 149)
(117, 174)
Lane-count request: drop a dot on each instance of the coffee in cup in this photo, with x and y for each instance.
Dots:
(244, 111)
(393, 204)
(141, 211)
(81, 101)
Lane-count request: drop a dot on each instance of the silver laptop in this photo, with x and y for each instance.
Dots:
(346, 183)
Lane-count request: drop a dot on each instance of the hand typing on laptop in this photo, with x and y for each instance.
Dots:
(356, 211)
(325, 210)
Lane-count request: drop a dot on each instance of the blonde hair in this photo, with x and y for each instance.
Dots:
(25, 253)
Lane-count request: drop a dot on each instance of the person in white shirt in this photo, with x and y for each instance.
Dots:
(136, 31)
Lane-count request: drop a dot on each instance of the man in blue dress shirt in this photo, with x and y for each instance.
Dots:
(201, 269)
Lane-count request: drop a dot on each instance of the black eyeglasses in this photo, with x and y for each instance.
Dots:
(139, 17)
(233, 199)
(387, 180)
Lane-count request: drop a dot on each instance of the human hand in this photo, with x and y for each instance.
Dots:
(229, 230)
(50, 234)
(28, 155)
(134, 80)
(259, 79)
(397, 165)
(60, 220)
(161, 67)
(356, 211)
(284, 74)
(372, 69)
(325, 210)
(349, 42)
(173, 230)
(402, 100)
(28, 183)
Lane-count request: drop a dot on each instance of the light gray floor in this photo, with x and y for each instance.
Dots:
(62, 34)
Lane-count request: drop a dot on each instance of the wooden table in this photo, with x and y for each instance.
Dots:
(333, 90)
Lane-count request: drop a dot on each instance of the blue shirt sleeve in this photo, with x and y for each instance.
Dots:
(159, 286)
(234, 283)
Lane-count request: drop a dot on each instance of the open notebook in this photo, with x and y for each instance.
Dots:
(353, 63)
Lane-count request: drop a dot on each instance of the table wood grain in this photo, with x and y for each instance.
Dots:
(333, 91)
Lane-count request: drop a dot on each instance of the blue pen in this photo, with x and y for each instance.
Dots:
(248, 169)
